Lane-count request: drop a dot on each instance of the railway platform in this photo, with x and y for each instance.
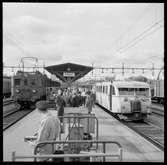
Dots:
(135, 147)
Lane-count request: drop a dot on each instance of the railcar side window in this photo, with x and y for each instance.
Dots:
(113, 90)
(17, 81)
(106, 89)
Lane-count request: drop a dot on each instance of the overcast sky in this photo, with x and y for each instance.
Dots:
(84, 33)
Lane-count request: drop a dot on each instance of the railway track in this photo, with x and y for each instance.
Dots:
(152, 133)
(9, 110)
(149, 131)
(157, 110)
(8, 101)
(14, 117)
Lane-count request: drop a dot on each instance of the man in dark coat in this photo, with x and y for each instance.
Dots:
(60, 104)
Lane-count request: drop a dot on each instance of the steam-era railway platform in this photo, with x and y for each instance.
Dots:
(134, 147)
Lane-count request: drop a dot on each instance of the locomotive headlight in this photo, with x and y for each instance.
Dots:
(125, 99)
(34, 91)
(123, 107)
(145, 99)
(17, 91)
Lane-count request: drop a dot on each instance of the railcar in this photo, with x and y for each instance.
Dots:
(29, 87)
(126, 99)
(157, 91)
(6, 86)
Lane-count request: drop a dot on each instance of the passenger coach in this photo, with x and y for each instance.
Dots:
(130, 99)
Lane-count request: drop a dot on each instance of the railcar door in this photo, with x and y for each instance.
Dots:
(110, 95)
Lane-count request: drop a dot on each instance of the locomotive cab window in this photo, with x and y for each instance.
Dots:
(17, 81)
(113, 90)
(25, 82)
(33, 82)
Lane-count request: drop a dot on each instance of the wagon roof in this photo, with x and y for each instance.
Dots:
(130, 84)
(127, 84)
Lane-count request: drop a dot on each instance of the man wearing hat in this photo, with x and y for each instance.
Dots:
(60, 104)
(49, 129)
(89, 101)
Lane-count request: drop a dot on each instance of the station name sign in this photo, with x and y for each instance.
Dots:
(68, 74)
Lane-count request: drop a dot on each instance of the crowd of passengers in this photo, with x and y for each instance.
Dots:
(50, 126)
(76, 98)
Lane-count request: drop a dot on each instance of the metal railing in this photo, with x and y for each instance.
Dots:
(79, 155)
(75, 119)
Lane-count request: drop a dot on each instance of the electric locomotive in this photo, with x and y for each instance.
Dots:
(28, 87)
(127, 99)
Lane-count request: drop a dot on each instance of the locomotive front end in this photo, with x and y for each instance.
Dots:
(135, 102)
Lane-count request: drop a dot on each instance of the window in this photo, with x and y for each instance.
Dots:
(17, 81)
(142, 91)
(113, 90)
(33, 82)
(25, 82)
(106, 89)
(126, 91)
(103, 89)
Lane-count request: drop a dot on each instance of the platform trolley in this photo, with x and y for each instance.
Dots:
(78, 141)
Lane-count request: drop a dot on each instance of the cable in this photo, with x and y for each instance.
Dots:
(133, 44)
(16, 44)
(140, 35)
(134, 23)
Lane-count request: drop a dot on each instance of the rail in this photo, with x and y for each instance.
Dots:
(157, 110)
(7, 102)
(97, 154)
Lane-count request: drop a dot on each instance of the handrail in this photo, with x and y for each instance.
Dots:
(79, 142)
(14, 157)
(101, 154)
(76, 116)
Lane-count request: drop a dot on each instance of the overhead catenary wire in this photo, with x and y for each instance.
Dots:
(141, 34)
(129, 28)
(10, 37)
(136, 38)
(140, 38)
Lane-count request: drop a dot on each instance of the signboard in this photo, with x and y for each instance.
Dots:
(68, 74)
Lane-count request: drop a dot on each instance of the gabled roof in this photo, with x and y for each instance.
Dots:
(58, 70)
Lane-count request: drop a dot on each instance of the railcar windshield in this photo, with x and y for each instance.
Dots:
(134, 91)
(142, 92)
(17, 81)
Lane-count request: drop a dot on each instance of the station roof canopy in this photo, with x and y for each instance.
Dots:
(69, 72)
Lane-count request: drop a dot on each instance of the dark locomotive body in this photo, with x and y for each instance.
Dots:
(29, 87)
